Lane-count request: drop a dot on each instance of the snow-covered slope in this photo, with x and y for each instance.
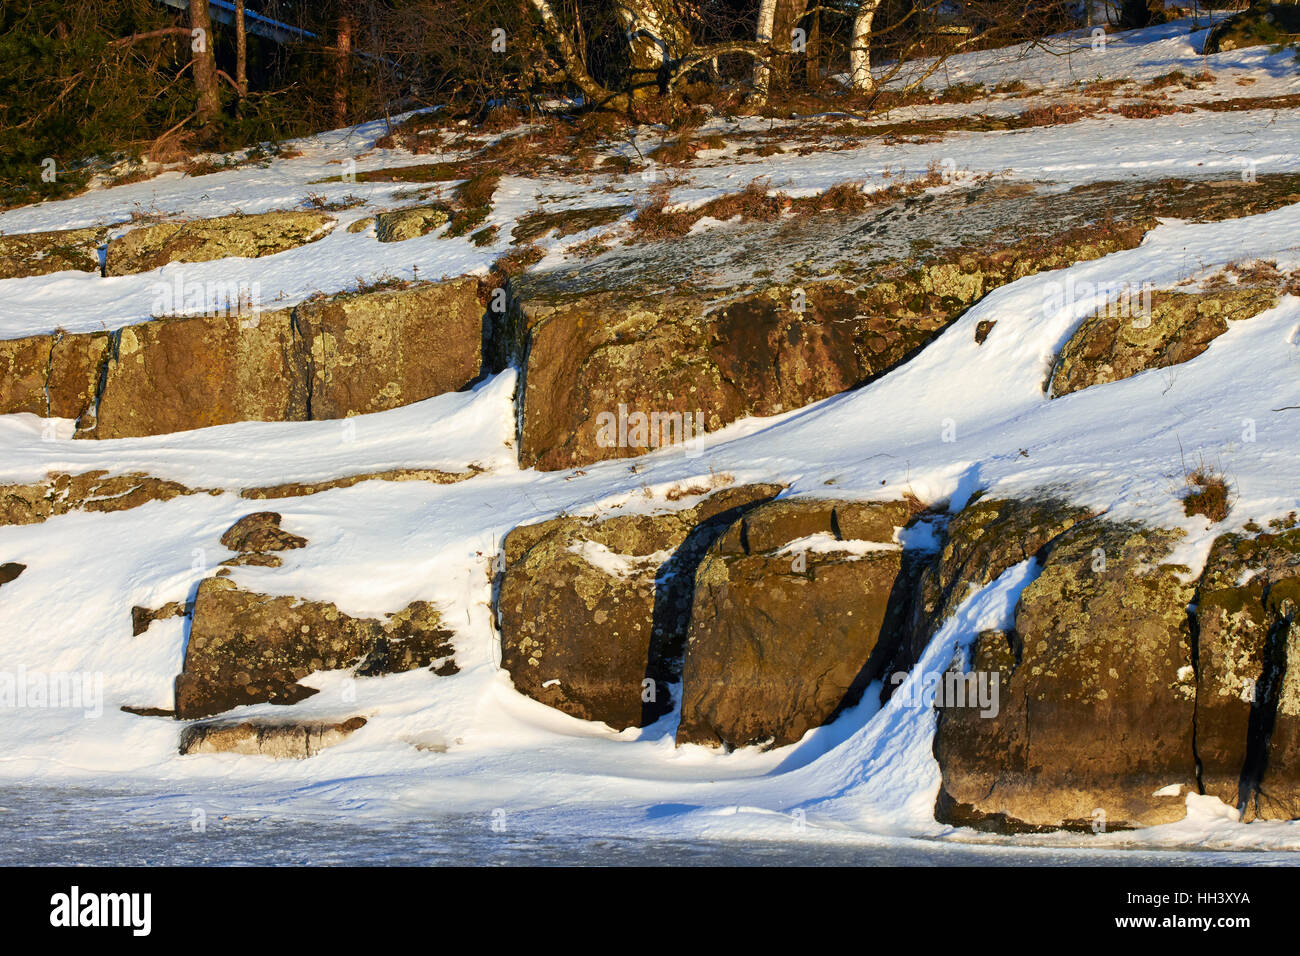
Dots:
(956, 419)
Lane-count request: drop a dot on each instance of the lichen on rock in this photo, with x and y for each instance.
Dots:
(97, 491)
(204, 240)
(798, 607)
(247, 648)
(592, 612)
(295, 740)
(329, 357)
(1248, 690)
(411, 223)
(1097, 715)
(1118, 341)
(43, 253)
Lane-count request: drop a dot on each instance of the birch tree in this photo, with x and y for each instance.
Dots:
(762, 67)
(860, 49)
(656, 36)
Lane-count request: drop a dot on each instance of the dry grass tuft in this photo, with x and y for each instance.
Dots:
(517, 260)
(1056, 115)
(1148, 109)
(477, 190)
(1207, 494)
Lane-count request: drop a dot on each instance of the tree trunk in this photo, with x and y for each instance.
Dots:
(762, 68)
(342, 68)
(860, 51)
(656, 38)
(1140, 13)
(574, 66)
(813, 65)
(205, 64)
(788, 15)
(241, 52)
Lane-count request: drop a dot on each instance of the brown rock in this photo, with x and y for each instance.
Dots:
(53, 376)
(1122, 340)
(758, 353)
(247, 648)
(42, 253)
(986, 538)
(253, 559)
(590, 609)
(298, 489)
(411, 222)
(143, 617)
(369, 353)
(146, 711)
(349, 355)
(178, 374)
(260, 532)
(781, 638)
(279, 739)
(10, 571)
(1097, 713)
(61, 493)
(1247, 704)
(203, 240)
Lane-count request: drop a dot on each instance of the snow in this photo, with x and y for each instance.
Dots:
(957, 419)
(826, 543)
(618, 565)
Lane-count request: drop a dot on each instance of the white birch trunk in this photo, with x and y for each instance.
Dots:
(860, 52)
(762, 71)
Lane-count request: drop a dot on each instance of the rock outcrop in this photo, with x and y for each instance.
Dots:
(248, 648)
(298, 489)
(592, 612)
(410, 223)
(984, 539)
(203, 240)
(1124, 338)
(1124, 685)
(598, 354)
(1248, 687)
(53, 376)
(10, 571)
(702, 327)
(42, 253)
(143, 617)
(256, 537)
(328, 358)
(1096, 697)
(1260, 24)
(94, 491)
(279, 739)
(177, 374)
(380, 350)
(797, 608)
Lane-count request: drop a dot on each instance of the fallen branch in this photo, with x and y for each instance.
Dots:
(150, 35)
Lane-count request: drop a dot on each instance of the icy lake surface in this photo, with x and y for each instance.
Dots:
(67, 827)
